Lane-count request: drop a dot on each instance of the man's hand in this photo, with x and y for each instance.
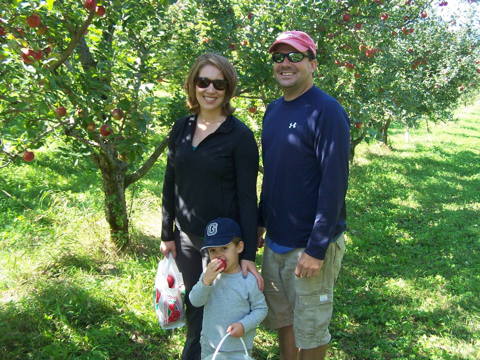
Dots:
(260, 236)
(308, 266)
(167, 247)
(249, 266)
(236, 330)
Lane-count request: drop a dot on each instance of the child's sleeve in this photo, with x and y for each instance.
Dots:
(199, 294)
(258, 308)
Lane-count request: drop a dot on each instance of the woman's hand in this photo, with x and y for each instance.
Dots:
(249, 266)
(167, 247)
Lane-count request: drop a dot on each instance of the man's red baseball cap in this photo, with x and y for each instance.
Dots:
(297, 39)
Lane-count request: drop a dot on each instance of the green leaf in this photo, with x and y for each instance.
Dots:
(50, 4)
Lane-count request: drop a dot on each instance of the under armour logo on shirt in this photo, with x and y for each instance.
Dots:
(212, 229)
(292, 125)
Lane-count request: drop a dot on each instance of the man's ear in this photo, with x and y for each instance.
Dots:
(240, 247)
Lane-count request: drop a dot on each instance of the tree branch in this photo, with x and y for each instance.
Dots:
(86, 58)
(73, 42)
(131, 178)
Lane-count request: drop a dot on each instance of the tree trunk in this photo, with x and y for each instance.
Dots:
(384, 132)
(113, 176)
(354, 143)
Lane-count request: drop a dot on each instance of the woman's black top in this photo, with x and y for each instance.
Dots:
(216, 179)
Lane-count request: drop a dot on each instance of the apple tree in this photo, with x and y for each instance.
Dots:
(85, 71)
(384, 60)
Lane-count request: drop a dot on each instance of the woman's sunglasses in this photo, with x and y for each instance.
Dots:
(203, 83)
(294, 57)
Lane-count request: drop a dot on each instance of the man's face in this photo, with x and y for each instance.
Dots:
(293, 75)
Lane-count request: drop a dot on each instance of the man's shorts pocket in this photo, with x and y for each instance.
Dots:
(312, 315)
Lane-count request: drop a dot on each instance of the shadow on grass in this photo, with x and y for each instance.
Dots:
(143, 245)
(69, 261)
(413, 220)
(62, 320)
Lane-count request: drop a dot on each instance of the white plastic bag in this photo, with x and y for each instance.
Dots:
(169, 294)
(217, 355)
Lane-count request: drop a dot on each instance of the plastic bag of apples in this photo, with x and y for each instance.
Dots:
(169, 294)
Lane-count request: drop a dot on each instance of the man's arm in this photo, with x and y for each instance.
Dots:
(332, 148)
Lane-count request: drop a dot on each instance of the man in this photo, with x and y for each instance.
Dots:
(305, 143)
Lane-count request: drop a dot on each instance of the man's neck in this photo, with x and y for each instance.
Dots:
(290, 94)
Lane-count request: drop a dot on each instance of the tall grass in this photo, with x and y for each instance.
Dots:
(409, 287)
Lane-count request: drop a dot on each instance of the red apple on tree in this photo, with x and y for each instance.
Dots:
(28, 156)
(27, 56)
(37, 54)
(346, 17)
(34, 20)
(117, 114)
(250, 16)
(90, 5)
(60, 111)
(423, 14)
(358, 124)
(100, 11)
(105, 130)
(384, 17)
(2, 31)
(252, 109)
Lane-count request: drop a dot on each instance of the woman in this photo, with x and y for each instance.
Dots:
(211, 172)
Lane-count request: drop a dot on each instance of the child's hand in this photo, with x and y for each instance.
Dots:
(212, 271)
(236, 330)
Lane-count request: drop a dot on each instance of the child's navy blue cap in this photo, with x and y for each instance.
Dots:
(220, 231)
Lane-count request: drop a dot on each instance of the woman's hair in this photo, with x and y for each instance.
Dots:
(229, 73)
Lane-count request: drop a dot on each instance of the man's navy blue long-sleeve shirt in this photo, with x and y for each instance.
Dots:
(305, 146)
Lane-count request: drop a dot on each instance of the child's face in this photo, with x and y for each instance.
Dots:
(229, 253)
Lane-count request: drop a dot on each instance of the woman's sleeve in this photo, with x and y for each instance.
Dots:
(246, 170)
(168, 192)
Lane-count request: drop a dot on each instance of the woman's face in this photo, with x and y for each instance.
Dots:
(209, 98)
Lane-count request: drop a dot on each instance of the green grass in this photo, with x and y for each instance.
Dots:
(409, 287)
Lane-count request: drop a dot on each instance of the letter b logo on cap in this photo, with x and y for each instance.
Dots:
(212, 229)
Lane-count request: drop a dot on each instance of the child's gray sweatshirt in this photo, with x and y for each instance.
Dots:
(231, 298)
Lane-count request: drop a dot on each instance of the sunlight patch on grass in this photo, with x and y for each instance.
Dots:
(438, 347)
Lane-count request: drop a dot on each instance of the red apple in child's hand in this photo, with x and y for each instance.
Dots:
(223, 264)
(170, 281)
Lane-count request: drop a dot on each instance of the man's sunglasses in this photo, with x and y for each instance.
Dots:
(293, 57)
(203, 83)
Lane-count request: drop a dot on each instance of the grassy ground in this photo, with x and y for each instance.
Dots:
(409, 288)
